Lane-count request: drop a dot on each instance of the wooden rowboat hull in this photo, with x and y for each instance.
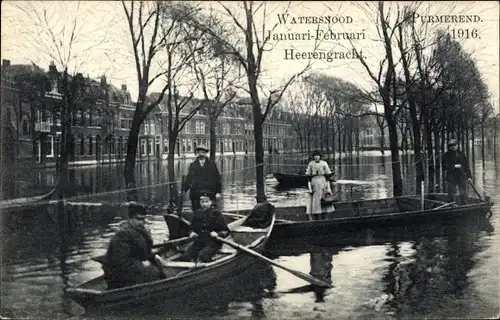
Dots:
(291, 180)
(403, 211)
(163, 293)
(363, 214)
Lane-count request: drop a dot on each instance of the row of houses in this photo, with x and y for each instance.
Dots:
(32, 101)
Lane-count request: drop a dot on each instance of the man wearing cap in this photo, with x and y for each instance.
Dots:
(129, 259)
(203, 177)
(456, 167)
(206, 221)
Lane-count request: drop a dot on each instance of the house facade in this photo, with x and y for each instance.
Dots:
(32, 100)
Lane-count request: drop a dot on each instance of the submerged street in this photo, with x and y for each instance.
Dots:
(433, 271)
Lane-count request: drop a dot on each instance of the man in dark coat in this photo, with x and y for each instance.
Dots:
(203, 176)
(207, 221)
(129, 259)
(456, 167)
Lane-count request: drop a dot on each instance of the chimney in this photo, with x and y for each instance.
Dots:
(124, 87)
(52, 66)
(103, 80)
(5, 63)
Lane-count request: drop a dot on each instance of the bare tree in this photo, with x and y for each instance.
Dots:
(385, 82)
(257, 42)
(216, 74)
(60, 33)
(158, 39)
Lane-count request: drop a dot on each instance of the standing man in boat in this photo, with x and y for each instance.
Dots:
(129, 259)
(207, 221)
(318, 172)
(203, 176)
(456, 166)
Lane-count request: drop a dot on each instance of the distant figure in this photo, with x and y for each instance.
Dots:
(458, 173)
(129, 259)
(319, 187)
(206, 221)
(203, 176)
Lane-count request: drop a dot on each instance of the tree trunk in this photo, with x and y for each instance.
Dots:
(130, 159)
(472, 144)
(257, 115)
(382, 140)
(172, 192)
(437, 157)
(483, 141)
(213, 136)
(429, 147)
(64, 183)
(467, 143)
(396, 165)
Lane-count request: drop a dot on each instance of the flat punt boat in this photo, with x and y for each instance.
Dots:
(367, 214)
(183, 279)
(291, 179)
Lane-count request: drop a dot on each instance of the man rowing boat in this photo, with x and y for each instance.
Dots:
(207, 221)
(129, 259)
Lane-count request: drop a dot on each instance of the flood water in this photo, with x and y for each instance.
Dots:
(433, 272)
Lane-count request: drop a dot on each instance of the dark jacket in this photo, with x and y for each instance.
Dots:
(206, 178)
(450, 159)
(131, 245)
(207, 221)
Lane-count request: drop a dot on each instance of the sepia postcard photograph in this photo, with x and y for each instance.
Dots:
(250, 160)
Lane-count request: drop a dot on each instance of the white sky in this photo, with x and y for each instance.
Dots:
(97, 20)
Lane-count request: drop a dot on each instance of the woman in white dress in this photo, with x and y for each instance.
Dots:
(319, 186)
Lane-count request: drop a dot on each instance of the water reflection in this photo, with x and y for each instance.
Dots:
(321, 268)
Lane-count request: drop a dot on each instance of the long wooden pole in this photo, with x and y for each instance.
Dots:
(308, 278)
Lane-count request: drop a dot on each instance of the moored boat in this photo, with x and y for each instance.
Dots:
(291, 179)
(367, 214)
(184, 279)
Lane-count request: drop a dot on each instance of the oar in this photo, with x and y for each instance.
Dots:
(239, 216)
(474, 188)
(444, 206)
(296, 273)
(165, 244)
(479, 196)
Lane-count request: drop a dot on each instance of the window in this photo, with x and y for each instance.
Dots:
(26, 127)
(49, 146)
(151, 146)
(202, 127)
(90, 145)
(143, 147)
(82, 146)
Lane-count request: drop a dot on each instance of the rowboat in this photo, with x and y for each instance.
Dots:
(23, 203)
(294, 179)
(348, 217)
(184, 279)
(291, 179)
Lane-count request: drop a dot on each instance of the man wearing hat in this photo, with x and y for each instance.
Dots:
(207, 221)
(456, 167)
(203, 177)
(129, 259)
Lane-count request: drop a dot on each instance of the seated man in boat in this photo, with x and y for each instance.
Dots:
(206, 221)
(129, 259)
